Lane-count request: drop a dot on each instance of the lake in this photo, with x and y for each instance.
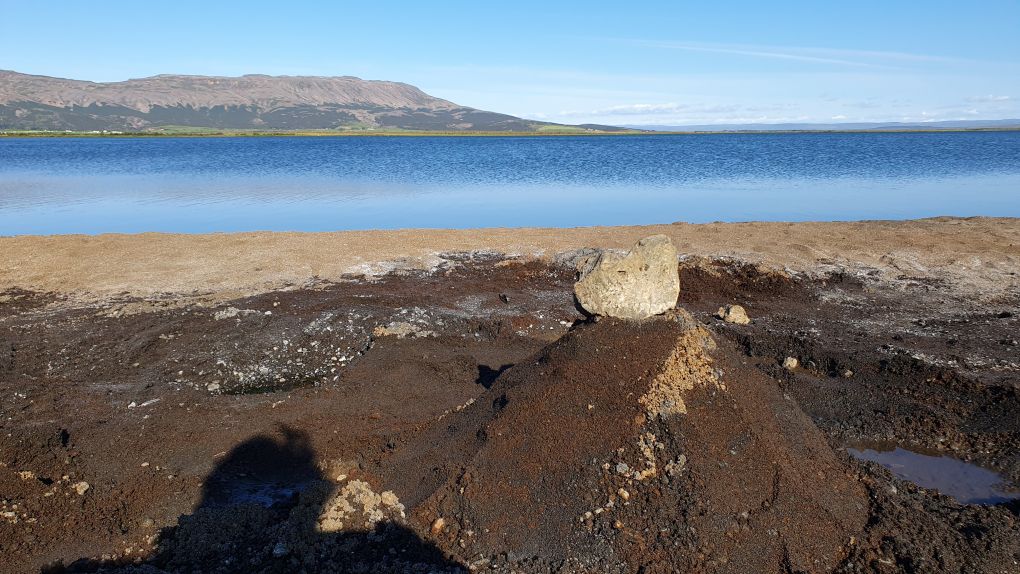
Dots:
(193, 185)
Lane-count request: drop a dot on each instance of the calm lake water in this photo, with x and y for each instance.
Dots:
(321, 183)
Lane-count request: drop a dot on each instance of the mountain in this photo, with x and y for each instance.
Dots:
(253, 102)
(877, 126)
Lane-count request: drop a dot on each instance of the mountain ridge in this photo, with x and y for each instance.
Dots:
(249, 102)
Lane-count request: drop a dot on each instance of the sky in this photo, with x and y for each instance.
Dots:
(621, 63)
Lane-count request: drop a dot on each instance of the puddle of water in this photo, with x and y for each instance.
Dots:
(966, 482)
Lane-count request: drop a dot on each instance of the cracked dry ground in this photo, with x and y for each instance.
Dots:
(469, 418)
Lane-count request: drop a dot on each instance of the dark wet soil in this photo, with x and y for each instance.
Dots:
(210, 438)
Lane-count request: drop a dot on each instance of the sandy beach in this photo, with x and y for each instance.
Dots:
(982, 254)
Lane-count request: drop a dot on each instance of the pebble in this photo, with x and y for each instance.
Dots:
(790, 363)
(438, 525)
(280, 550)
(81, 487)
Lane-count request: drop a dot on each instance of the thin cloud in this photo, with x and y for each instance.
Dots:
(757, 53)
(839, 57)
(989, 98)
(669, 108)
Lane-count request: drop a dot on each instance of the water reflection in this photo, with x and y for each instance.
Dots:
(966, 482)
(320, 184)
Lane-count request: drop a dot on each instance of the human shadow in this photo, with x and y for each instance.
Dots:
(261, 511)
(487, 375)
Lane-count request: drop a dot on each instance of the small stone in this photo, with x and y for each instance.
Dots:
(622, 468)
(617, 525)
(733, 314)
(643, 283)
(847, 374)
(389, 498)
(280, 550)
(623, 494)
(790, 363)
(148, 523)
(438, 525)
(226, 313)
(212, 387)
(81, 487)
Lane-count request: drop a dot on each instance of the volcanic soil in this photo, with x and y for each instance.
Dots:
(469, 418)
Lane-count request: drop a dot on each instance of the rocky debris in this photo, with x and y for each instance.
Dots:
(688, 366)
(401, 329)
(791, 363)
(232, 312)
(357, 506)
(733, 314)
(637, 285)
(81, 487)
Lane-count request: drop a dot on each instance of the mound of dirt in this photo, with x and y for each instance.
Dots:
(634, 447)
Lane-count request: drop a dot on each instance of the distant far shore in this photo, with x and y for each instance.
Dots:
(408, 133)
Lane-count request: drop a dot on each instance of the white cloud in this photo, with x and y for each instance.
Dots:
(669, 108)
(989, 98)
(840, 57)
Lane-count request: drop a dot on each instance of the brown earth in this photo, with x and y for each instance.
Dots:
(462, 414)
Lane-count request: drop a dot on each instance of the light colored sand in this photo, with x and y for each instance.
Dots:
(978, 255)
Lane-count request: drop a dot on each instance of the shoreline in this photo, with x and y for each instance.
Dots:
(978, 255)
(229, 134)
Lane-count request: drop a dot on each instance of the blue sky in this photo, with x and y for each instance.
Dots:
(576, 62)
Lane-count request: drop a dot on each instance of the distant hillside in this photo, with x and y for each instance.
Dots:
(251, 102)
(877, 126)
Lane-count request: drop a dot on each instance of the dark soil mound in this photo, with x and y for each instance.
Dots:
(635, 447)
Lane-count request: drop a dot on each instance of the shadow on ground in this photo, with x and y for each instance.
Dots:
(259, 513)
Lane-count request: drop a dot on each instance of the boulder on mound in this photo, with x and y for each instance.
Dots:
(632, 446)
(643, 283)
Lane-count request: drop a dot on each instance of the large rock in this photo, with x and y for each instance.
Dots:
(643, 283)
(733, 314)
